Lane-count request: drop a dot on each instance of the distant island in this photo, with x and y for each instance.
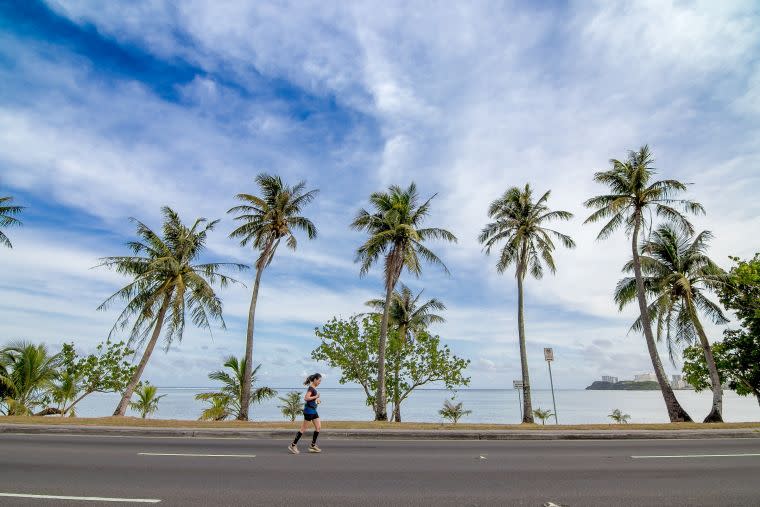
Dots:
(624, 385)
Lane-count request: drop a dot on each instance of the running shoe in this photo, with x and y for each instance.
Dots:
(293, 449)
(314, 448)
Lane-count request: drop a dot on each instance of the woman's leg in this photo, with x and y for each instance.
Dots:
(304, 425)
(317, 426)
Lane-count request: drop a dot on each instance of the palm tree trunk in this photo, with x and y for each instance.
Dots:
(396, 369)
(381, 402)
(246, 387)
(121, 408)
(527, 405)
(675, 411)
(716, 413)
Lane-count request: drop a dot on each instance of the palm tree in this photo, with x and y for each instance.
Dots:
(292, 405)
(7, 218)
(409, 317)
(633, 199)
(452, 411)
(229, 399)
(65, 390)
(147, 401)
(266, 220)
(520, 224)
(543, 414)
(166, 284)
(28, 372)
(395, 234)
(619, 417)
(676, 273)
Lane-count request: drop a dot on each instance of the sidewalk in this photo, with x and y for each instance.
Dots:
(380, 434)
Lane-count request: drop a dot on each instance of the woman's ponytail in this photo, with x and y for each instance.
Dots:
(312, 378)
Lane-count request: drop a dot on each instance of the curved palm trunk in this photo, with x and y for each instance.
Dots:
(527, 404)
(676, 413)
(381, 402)
(246, 387)
(397, 368)
(716, 413)
(121, 408)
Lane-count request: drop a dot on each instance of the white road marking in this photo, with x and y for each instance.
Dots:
(696, 456)
(81, 498)
(196, 455)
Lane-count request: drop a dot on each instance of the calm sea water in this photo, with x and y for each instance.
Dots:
(487, 405)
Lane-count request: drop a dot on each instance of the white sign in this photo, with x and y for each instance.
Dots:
(517, 384)
(548, 354)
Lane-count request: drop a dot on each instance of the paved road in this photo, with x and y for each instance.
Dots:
(350, 472)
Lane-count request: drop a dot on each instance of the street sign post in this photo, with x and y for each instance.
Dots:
(518, 385)
(549, 357)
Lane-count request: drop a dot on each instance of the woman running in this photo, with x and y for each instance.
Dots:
(309, 414)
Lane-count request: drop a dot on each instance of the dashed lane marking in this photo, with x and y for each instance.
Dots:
(81, 498)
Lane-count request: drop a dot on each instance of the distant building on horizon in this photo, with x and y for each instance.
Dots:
(610, 379)
(645, 377)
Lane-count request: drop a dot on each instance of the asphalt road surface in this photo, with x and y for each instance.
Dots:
(196, 471)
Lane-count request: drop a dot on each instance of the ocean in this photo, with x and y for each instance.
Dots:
(487, 405)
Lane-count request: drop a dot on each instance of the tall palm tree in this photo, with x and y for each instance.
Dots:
(166, 284)
(29, 370)
(229, 398)
(409, 317)
(266, 220)
(634, 197)
(677, 273)
(520, 223)
(395, 234)
(7, 218)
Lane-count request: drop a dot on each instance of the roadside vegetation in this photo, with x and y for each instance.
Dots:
(671, 279)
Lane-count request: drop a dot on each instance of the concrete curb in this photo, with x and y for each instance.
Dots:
(385, 434)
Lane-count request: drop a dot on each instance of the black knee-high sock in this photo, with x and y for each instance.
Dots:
(314, 438)
(298, 437)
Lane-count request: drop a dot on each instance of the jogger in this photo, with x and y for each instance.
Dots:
(310, 414)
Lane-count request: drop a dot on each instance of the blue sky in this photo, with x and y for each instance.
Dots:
(112, 110)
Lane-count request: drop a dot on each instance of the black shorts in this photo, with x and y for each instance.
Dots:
(310, 417)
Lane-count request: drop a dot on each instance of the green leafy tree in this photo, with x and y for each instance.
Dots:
(742, 293)
(292, 405)
(619, 417)
(737, 357)
(107, 371)
(408, 317)
(166, 284)
(453, 411)
(28, 373)
(543, 414)
(634, 196)
(396, 236)
(229, 399)
(266, 220)
(352, 346)
(520, 223)
(8, 213)
(147, 400)
(677, 274)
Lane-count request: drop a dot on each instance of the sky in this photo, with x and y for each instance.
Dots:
(111, 110)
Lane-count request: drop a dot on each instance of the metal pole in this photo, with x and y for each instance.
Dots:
(519, 398)
(551, 381)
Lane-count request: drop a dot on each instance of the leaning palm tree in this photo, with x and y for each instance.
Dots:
(632, 200)
(266, 220)
(520, 223)
(229, 399)
(166, 285)
(7, 218)
(408, 317)
(29, 371)
(395, 234)
(677, 273)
